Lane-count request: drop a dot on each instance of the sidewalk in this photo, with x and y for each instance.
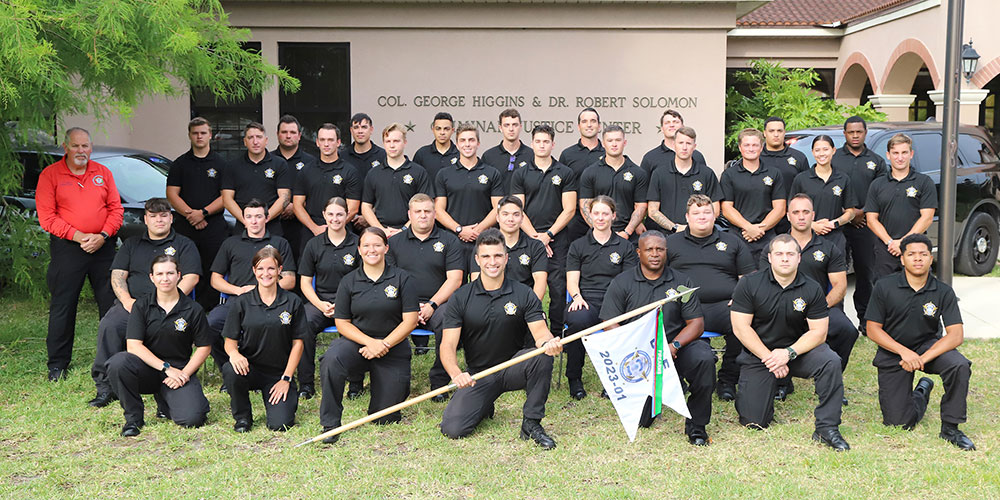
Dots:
(978, 298)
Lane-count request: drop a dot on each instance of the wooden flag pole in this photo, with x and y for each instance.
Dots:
(489, 371)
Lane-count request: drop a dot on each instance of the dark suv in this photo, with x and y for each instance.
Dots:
(978, 181)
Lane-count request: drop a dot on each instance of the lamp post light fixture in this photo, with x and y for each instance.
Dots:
(970, 60)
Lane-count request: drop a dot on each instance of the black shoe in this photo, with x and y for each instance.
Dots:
(440, 398)
(102, 399)
(242, 426)
(604, 394)
(844, 401)
(131, 429)
(862, 330)
(780, 395)
(727, 392)
(698, 437)
(531, 428)
(951, 434)
(576, 390)
(223, 389)
(923, 390)
(490, 412)
(55, 374)
(331, 439)
(163, 412)
(832, 438)
(307, 391)
(924, 386)
(420, 351)
(355, 390)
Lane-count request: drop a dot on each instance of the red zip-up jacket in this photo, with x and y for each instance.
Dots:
(68, 203)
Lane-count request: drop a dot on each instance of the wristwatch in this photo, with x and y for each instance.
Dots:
(105, 235)
(286, 378)
(549, 232)
(676, 345)
(432, 304)
(204, 212)
(836, 223)
(165, 367)
(458, 229)
(791, 353)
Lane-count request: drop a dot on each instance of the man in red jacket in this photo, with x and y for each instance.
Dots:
(79, 206)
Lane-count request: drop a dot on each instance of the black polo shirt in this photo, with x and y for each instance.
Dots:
(661, 156)
(262, 180)
(862, 169)
(297, 163)
(672, 188)
(235, 257)
(328, 263)
(169, 335)
(627, 186)
(543, 190)
(898, 202)
(494, 323)
(433, 161)
(265, 332)
(137, 254)
(753, 192)
(469, 191)
(389, 191)
(631, 290)
(363, 162)
(321, 181)
(714, 262)
(830, 197)
(913, 317)
(820, 257)
(376, 307)
(599, 264)
(577, 157)
(200, 179)
(428, 261)
(779, 314)
(789, 161)
(506, 163)
(526, 257)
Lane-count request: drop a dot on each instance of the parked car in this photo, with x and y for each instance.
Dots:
(978, 181)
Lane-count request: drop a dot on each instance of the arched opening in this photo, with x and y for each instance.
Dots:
(922, 108)
(855, 86)
(989, 110)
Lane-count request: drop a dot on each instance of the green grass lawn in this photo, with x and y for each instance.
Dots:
(55, 446)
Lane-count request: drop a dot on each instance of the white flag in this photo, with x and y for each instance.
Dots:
(624, 358)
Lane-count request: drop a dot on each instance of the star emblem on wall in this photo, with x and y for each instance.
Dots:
(410, 126)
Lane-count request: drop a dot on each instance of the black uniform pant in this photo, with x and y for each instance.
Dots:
(291, 230)
(577, 321)
(110, 341)
(131, 377)
(557, 283)
(756, 246)
(885, 262)
(901, 406)
(216, 322)
(307, 364)
(280, 416)
(755, 399)
(390, 379)
(717, 320)
(695, 364)
(841, 336)
(208, 241)
(471, 405)
(68, 267)
(437, 375)
(861, 242)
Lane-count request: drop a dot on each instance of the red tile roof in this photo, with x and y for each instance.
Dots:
(813, 12)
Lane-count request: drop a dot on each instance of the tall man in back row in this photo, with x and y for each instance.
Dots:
(753, 194)
(621, 179)
(786, 159)
(78, 205)
(511, 154)
(258, 175)
(672, 185)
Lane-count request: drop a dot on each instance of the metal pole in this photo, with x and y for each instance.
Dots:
(949, 140)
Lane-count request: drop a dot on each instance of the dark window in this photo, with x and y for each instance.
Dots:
(324, 69)
(975, 149)
(227, 117)
(927, 148)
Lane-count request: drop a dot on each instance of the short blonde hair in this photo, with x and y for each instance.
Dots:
(750, 132)
(394, 127)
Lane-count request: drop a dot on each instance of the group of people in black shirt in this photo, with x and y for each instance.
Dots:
(466, 246)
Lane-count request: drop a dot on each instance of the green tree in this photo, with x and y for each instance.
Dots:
(778, 91)
(102, 57)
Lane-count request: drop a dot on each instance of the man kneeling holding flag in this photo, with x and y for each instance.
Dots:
(676, 339)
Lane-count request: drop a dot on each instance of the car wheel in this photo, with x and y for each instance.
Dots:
(977, 252)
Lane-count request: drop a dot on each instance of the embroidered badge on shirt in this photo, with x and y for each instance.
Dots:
(269, 173)
(407, 179)
(375, 163)
(615, 258)
(672, 293)
(348, 259)
(169, 251)
(483, 179)
(391, 291)
(768, 180)
(523, 163)
(98, 180)
(299, 165)
(930, 309)
(837, 190)
(212, 172)
(911, 192)
(791, 160)
(337, 179)
(799, 304)
(438, 247)
(180, 324)
(627, 176)
(524, 259)
(870, 165)
(285, 317)
(696, 185)
(510, 308)
(721, 246)
(454, 160)
(818, 256)
(556, 180)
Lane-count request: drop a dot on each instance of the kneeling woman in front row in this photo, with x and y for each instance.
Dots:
(377, 309)
(263, 333)
(158, 358)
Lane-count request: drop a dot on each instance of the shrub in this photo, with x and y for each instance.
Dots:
(24, 253)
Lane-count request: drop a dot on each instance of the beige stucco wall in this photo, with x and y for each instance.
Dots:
(816, 52)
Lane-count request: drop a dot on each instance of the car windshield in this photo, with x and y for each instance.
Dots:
(138, 178)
